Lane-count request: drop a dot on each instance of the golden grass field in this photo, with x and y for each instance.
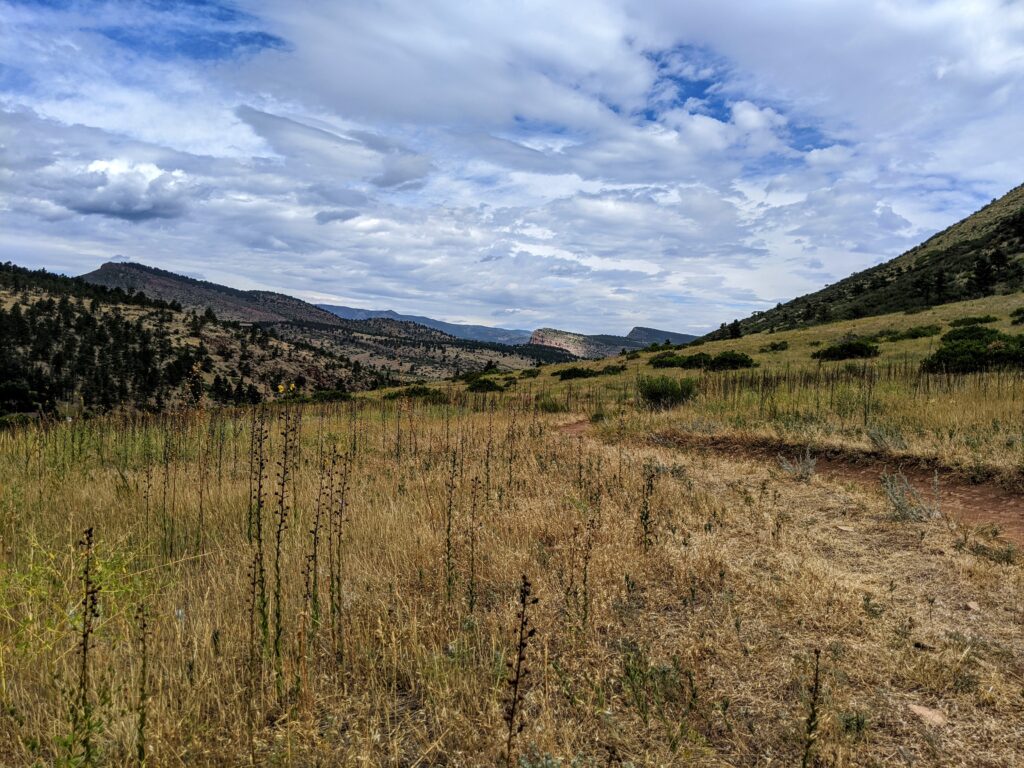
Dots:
(340, 584)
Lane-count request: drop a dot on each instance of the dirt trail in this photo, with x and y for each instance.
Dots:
(975, 503)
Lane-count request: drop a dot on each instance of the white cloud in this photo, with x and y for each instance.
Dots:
(667, 164)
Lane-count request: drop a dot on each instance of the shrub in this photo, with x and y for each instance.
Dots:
(972, 333)
(730, 361)
(1017, 316)
(672, 360)
(484, 385)
(775, 346)
(664, 391)
(576, 372)
(801, 468)
(419, 392)
(960, 322)
(529, 373)
(847, 350)
(975, 348)
(329, 396)
(906, 504)
(914, 332)
(723, 361)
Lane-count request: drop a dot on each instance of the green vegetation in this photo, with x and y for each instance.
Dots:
(851, 349)
(665, 392)
(482, 384)
(914, 332)
(431, 395)
(723, 361)
(983, 255)
(775, 346)
(976, 348)
(973, 320)
(578, 372)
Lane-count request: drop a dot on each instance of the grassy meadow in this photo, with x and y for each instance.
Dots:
(459, 579)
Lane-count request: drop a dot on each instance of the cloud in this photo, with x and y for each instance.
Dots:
(658, 163)
(326, 217)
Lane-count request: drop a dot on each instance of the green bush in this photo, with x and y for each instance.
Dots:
(847, 350)
(972, 333)
(329, 396)
(775, 346)
(484, 385)
(976, 348)
(577, 372)
(730, 361)
(529, 373)
(960, 322)
(723, 361)
(672, 360)
(664, 391)
(1017, 316)
(420, 392)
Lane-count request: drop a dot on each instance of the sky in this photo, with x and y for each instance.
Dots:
(588, 165)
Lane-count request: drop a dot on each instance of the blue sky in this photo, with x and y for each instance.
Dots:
(591, 165)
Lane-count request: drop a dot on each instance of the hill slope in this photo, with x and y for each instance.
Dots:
(458, 330)
(65, 342)
(402, 349)
(982, 255)
(228, 303)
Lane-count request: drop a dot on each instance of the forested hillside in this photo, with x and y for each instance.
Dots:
(67, 344)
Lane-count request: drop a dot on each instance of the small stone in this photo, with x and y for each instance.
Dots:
(972, 606)
(845, 528)
(928, 715)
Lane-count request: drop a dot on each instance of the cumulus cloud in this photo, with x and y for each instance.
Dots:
(657, 163)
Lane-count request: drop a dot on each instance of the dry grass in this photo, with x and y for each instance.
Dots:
(681, 600)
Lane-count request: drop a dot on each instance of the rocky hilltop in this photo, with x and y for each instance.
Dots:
(582, 345)
(645, 335)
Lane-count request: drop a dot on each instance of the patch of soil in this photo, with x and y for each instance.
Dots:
(976, 500)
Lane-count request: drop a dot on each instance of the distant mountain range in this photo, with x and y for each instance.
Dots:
(296, 319)
(399, 349)
(458, 330)
(580, 345)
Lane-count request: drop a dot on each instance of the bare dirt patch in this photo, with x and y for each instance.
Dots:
(978, 503)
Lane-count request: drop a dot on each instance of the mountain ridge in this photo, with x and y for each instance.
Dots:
(977, 256)
(466, 331)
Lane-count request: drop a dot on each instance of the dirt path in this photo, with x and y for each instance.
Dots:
(975, 503)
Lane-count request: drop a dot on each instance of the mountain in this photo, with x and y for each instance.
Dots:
(66, 343)
(400, 349)
(458, 330)
(647, 336)
(982, 255)
(227, 303)
(582, 345)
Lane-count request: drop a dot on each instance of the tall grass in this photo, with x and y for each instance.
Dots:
(323, 586)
